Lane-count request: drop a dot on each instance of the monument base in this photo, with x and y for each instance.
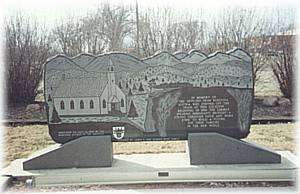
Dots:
(214, 148)
(157, 168)
(84, 152)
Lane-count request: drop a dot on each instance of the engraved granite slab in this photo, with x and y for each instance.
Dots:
(162, 97)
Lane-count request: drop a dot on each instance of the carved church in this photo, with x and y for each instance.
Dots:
(90, 96)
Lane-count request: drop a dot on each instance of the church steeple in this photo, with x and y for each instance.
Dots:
(111, 73)
(111, 79)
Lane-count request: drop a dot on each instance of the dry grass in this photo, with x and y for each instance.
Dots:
(275, 136)
(21, 141)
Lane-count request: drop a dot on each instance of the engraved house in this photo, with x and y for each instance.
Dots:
(90, 96)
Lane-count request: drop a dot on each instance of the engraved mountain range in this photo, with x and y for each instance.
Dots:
(233, 69)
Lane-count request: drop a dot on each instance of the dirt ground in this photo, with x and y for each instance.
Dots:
(21, 141)
(20, 188)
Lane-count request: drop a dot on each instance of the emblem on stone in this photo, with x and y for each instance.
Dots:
(118, 132)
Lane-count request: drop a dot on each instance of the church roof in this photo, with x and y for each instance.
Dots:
(81, 87)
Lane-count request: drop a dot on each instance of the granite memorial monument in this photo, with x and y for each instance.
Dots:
(207, 100)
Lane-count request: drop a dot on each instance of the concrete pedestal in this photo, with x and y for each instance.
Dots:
(157, 168)
(214, 148)
(87, 152)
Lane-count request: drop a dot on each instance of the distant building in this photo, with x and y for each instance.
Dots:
(271, 44)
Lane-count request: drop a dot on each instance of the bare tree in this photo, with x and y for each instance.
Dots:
(188, 35)
(101, 31)
(284, 63)
(137, 47)
(70, 37)
(117, 25)
(27, 48)
(165, 29)
(243, 28)
(94, 38)
(147, 37)
(80, 36)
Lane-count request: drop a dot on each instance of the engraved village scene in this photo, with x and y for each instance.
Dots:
(158, 96)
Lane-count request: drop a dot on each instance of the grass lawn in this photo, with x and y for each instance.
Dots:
(21, 141)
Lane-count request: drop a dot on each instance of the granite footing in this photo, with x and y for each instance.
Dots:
(214, 148)
(84, 152)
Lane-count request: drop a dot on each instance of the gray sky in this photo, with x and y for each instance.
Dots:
(51, 11)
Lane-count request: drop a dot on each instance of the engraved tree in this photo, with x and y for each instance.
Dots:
(132, 110)
(130, 92)
(165, 104)
(151, 84)
(243, 98)
(141, 89)
(134, 87)
(55, 117)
